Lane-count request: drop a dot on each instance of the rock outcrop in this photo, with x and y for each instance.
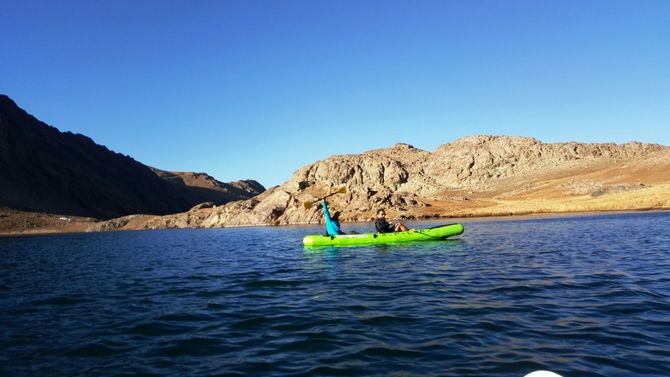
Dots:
(472, 176)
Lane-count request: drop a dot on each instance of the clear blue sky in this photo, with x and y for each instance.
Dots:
(257, 89)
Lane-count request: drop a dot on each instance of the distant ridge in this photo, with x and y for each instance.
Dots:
(45, 170)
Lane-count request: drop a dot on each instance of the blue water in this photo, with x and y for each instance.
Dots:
(581, 296)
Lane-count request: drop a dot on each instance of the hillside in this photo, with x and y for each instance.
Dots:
(472, 176)
(44, 170)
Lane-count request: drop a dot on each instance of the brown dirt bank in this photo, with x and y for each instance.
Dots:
(16, 222)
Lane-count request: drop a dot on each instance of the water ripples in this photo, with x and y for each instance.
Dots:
(507, 298)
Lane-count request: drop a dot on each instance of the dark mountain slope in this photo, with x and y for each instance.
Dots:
(45, 170)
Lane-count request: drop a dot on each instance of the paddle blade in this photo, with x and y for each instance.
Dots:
(309, 205)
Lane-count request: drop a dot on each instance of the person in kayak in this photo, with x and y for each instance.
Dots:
(332, 222)
(384, 226)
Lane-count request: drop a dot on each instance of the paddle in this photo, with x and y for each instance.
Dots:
(309, 205)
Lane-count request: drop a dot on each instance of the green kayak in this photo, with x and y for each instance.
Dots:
(428, 234)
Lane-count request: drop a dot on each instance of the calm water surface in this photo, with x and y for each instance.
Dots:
(581, 296)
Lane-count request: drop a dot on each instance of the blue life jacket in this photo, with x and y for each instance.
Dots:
(332, 226)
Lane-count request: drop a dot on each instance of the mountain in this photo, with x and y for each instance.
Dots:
(472, 176)
(45, 170)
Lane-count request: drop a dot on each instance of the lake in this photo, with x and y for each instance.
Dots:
(577, 295)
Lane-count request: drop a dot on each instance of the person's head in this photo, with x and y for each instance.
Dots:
(381, 214)
(336, 216)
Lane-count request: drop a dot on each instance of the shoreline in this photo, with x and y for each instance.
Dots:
(82, 226)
